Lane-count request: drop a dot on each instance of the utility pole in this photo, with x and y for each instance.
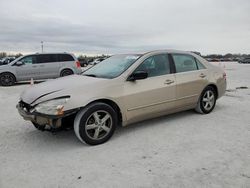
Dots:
(42, 45)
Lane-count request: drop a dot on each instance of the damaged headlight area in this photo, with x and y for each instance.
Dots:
(52, 107)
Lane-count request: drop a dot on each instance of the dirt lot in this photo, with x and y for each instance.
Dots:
(181, 150)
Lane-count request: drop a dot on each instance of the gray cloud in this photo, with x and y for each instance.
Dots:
(116, 26)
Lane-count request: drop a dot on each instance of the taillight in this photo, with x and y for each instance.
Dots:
(78, 64)
(224, 76)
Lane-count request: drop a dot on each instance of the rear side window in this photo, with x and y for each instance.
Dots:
(65, 57)
(46, 58)
(156, 65)
(184, 63)
(199, 64)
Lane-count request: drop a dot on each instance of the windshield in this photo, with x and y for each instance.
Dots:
(112, 67)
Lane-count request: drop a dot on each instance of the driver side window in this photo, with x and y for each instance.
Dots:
(156, 65)
(28, 60)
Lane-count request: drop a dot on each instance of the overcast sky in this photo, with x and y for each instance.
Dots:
(122, 26)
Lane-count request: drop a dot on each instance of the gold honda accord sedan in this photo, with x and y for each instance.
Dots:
(121, 90)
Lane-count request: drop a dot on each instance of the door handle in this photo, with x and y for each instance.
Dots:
(168, 82)
(41, 65)
(202, 75)
(34, 66)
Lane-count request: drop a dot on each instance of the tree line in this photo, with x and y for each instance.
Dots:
(5, 54)
(81, 57)
(85, 58)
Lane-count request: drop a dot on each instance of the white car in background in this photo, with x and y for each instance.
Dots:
(39, 67)
(96, 61)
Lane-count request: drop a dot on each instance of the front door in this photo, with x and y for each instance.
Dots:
(151, 96)
(28, 69)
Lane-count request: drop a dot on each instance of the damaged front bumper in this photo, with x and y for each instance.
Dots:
(54, 121)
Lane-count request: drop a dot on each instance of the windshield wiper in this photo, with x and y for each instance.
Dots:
(91, 75)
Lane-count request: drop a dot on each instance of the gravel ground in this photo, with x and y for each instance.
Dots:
(180, 150)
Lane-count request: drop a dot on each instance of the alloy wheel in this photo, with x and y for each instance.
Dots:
(208, 100)
(7, 80)
(98, 125)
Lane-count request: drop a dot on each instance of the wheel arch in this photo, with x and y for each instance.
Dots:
(9, 73)
(111, 103)
(215, 88)
(66, 68)
(199, 107)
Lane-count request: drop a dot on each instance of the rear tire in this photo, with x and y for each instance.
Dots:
(207, 101)
(96, 123)
(7, 79)
(66, 72)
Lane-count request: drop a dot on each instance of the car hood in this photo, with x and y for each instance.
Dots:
(59, 87)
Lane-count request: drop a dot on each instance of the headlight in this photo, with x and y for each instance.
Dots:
(52, 107)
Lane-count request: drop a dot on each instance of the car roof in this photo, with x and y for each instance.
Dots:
(157, 52)
(49, 53)
(169, 51)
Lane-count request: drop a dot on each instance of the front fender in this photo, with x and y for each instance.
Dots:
(75, 103)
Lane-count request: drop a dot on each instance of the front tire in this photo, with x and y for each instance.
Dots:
(7, 79)
(96, 123)
(39, 127)
(207, 101)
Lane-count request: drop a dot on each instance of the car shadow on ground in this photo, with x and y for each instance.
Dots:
(159, 121)
(26, 83)
(45, 139)
(68, 139)
(21, 84)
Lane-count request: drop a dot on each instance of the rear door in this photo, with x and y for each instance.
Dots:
(48, 65)
(28, 69)
(191, 79)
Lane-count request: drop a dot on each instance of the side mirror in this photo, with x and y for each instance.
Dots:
(138, 75)
(19, 63)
